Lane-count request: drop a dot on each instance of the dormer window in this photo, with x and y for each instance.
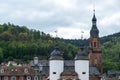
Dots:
(25, 70)
(2, 70)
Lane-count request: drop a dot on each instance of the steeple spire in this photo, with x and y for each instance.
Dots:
(94, 18)
(94, 32)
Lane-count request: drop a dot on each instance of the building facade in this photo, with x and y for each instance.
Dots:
(18, 73)
(87, 65)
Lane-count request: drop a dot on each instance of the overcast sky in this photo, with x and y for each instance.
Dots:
(68, 17)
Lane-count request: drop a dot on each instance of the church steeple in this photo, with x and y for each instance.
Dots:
(94, 32)
(95, 55)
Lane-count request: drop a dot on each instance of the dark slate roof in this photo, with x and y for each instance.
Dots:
(94, 32)
(93, 71)
(94, 18)
(56, 54)
(81, 55)
(69, 62)
(46, 63)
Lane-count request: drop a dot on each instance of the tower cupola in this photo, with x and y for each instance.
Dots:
(94, 32)
(81, 55)
(56, 54)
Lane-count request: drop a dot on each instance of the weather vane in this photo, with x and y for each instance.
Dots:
(82, 34)
(56, 33)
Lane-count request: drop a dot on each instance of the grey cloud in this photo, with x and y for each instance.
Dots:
(32, 11)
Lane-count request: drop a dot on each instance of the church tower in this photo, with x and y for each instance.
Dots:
(95, 55)
(56, 64)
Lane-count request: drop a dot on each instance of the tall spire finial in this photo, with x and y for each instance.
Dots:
(94, 9)
(94, 18)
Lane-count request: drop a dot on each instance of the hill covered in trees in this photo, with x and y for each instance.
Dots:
(22, 44)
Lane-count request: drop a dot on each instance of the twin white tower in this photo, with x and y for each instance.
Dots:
(56, 64)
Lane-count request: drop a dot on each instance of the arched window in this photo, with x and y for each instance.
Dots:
(5, 77)
(2, 71)
(28, 78)
(13, 78)
(95, 62)
(36, 78)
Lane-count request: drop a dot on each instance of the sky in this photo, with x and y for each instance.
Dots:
(68, 17)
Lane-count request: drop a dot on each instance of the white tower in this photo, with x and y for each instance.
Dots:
(82, 65)
(56, 64)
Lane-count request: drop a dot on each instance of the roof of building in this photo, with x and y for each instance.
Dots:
(56, 54)
(93, 71)
(94, 18)
(16, 70)
(81, 55)
(67, 64)
(40, 62)
(94, 32)
(68, 72)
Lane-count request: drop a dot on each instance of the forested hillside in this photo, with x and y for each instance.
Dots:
(111, 52)
(22, 44)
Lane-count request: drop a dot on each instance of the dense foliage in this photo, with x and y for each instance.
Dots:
(22, 44)
(18, 42)
(111, 52)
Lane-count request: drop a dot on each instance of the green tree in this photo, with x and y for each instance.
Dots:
(1, 55)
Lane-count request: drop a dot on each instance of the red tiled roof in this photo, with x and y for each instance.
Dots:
(16, 70)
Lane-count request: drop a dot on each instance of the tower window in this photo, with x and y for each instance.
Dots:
(95, 44)
(54, 72)
(83, 72)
